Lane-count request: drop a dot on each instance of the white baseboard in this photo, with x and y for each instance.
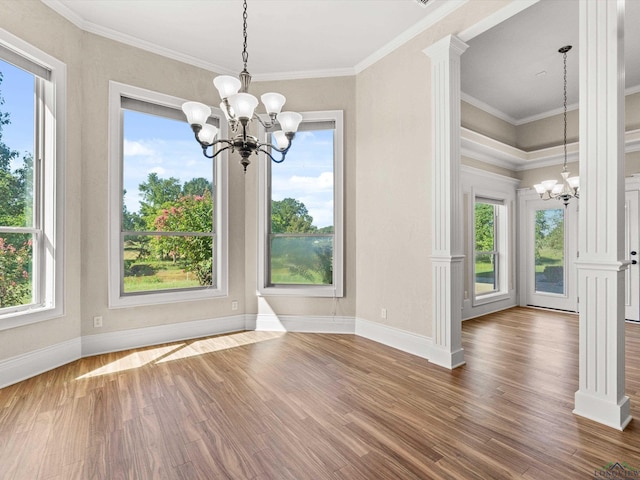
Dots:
(21, 367)
(143, 337)
(302, 323)
(412, 343)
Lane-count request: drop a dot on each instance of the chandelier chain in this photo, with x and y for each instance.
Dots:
(245, 54)
(565, 110)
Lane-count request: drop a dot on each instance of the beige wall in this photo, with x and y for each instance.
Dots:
(393, 185)
(35, 24)
(304, 96)
(482, 122)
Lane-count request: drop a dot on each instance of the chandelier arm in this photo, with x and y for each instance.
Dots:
(283, 153)
(272, 147)
(215, 153)
(262, 122)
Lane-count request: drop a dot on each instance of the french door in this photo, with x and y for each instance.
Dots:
(632, 246)
(549, 275)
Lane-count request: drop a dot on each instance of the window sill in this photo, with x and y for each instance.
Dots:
(148, 299)
(27, 317)
(490, 298)
(326, 291)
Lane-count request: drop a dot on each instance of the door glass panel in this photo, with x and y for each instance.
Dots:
(549, 251)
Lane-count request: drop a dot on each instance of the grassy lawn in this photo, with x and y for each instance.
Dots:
(150, 275)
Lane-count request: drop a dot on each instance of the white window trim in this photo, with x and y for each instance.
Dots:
(337, 289)
(54, 152)
(502, 249)
(116, 299)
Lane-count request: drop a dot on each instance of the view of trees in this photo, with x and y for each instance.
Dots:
(299, 258)
(16, 194)
(549, 250)
(169, 206)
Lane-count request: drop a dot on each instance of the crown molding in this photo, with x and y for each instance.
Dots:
(488, 150)
(337, 72)
(444, 9)
(487, 108)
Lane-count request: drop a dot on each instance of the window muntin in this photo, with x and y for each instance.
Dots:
(171, 205)
(301, 216)
(31, 183)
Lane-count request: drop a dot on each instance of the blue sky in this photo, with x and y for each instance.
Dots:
(167, 147)
(17, 90)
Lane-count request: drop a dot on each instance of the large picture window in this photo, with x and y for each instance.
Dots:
(301, 212)
(30, 237)
(167, 246)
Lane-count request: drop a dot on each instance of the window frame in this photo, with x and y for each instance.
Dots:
(49, 181)
(117, 298)
(501, 249)
(264, 221)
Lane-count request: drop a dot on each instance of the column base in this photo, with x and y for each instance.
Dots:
(447, 359)
(614, 415)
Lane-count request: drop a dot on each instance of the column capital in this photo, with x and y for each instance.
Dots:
(445, 47)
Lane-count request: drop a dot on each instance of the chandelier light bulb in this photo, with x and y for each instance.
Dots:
(226, 85)
(243, 105)
(273, 102)
(289, 121)
(208, 134)
(196, 112)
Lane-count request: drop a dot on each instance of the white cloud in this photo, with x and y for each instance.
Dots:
(133, 148)
(159, 170)
(323, 181)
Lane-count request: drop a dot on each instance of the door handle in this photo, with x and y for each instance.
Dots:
(634, 262)
(633, 252)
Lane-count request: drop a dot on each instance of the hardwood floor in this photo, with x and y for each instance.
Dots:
(260, 405)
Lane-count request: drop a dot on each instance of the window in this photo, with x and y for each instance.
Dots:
(300, 251)
(31, 182)
(168, 200)
(489, 247)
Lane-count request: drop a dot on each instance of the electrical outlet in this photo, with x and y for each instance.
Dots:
(383, 313)
(97, 322)
(234, 305)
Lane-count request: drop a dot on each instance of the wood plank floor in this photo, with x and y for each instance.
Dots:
(260, 405)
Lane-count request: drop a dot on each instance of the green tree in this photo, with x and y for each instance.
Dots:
(16, 194)
(485, 227)
(157, 192)
(197, 186)
(290, 216)
(190, 213)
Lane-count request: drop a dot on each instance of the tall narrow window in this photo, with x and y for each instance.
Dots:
(28, 189)
(301, 217)
(489, 245)
(168, 240)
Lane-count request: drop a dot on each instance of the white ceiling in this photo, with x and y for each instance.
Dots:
(310, 38)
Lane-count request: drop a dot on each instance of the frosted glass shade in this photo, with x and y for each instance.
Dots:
(540, 188)
(243, 104)
(226, 85)
(273, 102)
(196, 112)
(557, 188)
(208, 134)
(289, 121)
(548, 184)
(574, 182)
(282, 141)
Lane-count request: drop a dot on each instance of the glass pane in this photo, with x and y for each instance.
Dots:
(485, 227)
(153, 263)
(302, 260)
(549, 251)
(16, 269)
(168, 183)
(16, 146)
(302, 186)
(486, 273)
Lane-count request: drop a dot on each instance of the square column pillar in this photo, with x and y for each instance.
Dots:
(446, 201)
(601, 265)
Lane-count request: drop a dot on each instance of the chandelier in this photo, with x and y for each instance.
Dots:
(570, 186)
(239, 109)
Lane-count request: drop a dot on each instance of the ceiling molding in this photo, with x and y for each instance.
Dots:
(498, 17)
(445, 8)
(543, 115)
(338, 72)
(487, 108)
(488, 150)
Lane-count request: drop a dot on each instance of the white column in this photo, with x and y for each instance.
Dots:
(446, 200)
(601, 265)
